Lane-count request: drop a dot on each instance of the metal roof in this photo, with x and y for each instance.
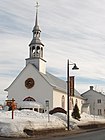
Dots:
(58, 83)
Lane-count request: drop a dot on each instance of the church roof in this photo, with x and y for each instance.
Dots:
(36, 41)
(55, 81)
(58, 83)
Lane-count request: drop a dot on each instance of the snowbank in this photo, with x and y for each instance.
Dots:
(31, 120)
(26, 119)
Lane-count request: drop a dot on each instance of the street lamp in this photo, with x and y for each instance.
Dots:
(68, 88)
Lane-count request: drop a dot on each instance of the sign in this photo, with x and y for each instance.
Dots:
(47, 103)
(71, 84)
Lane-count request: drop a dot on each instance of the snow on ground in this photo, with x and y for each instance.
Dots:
(27, 119)
(86, 118)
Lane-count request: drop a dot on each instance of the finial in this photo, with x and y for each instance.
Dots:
(37, 5)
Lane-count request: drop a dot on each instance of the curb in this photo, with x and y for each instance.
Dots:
(64, 133)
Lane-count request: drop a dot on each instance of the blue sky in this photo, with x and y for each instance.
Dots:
(71, 29)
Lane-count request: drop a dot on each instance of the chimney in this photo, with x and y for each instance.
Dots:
(91, 87)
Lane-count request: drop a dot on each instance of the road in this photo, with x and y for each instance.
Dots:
(94, 135)
(97, 135)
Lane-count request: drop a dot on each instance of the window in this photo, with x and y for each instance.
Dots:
(76, 101)
(36, 109)
(72, 102)
(99, 101)
(41, 52)
(99, 112)
(63, 102)
(33, 51)
(41, 110)
(38, 50)
(29, 99)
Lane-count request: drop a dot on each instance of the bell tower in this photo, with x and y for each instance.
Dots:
(36, 48)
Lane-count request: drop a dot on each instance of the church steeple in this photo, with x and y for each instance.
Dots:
(36, 47)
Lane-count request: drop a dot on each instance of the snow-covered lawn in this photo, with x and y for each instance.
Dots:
(27, 119)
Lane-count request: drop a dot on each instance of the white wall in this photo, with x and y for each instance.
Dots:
(41, 91)
(57, 99)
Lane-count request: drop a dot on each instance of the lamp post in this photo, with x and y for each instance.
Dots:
(68, 89)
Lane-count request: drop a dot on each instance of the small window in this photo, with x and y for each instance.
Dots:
(41, 52)
(29, 99)
(99, 112)
(63, 102)
(76, 101)
(38, 49)
(99, 101)
(33, 50)
(41, 110)
(36, 109)
(72, 102)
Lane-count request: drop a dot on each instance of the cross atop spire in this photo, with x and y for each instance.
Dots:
(36, 21)
(37, 5)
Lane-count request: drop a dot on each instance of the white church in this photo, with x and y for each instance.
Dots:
(34, 86)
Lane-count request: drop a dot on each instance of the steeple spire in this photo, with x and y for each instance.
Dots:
(36, 27)
(37, 5)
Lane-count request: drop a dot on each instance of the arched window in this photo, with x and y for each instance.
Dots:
(29, 99)
(72, 102)
(63, 102)
(76, 101)
(38, 51)
(41, 52)
(33, 51)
